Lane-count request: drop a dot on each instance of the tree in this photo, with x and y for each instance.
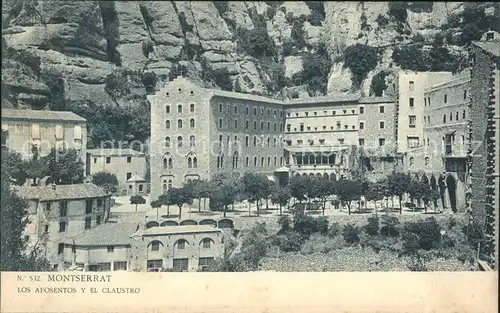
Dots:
(281, 196)
(347, 191)
(254, 186)
(224, 195)
(179, 197)
(390, 225)
(375, 192)
(137, 200)
(13, 164)
(64, 167)
(398, 184)
(322, 188)
(298, 187)
(13, 247)
(108, 181)
(360, 59)
(35, 169)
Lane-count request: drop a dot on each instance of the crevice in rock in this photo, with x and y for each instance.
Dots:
(110, 23)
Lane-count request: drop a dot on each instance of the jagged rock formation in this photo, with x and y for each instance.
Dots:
(100, 53)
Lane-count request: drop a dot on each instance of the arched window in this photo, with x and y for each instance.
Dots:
(235, 110)
(179, 124)
(155, 245)
(169, 183)
(247, 161)
(268, 161)
(220, 123)
(268, 125)
(275, 161)
(222, 161)
(311, 159)
(167, 142)
(411, 161)
(235, 160)
(170, 163)
(179, 142)
(274, 142)
(167, 124)
(220, 140)
(165, 189)
(190, 162)
(206, 243)
(191, 123)
(192, 141)
(165, 163)
(274, 126)
(218, 161)
(167, 109)
(235, 124)
(191, 107)
(262, 161)
(246, 141)
(195, 162)
(268, 141)
(255, 161)
(179, 108)
(181, 244)
(281, 161)
(246, 110)
(254, 141)
(426, 160)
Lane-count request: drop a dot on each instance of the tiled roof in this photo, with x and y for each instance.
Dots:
(492, 47)
(344, 97)
(183, 229)
(107, 234)
(135, 178)
(62, 192)
(244, 96)
(376, 100)
(41, 115)
(114, 152)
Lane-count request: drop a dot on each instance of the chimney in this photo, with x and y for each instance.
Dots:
(53, 186)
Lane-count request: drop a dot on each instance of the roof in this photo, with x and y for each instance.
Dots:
(492, 47)
(376, 100)
(114, 152)
(135, 178)
(183, 229)
(62, 192)
(107, 234)
(41, 115)
(344, 97)
(244, 96)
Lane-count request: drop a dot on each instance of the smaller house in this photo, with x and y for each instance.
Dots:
(137, 186)
(124, 163)
(104, 248)
(57, 212)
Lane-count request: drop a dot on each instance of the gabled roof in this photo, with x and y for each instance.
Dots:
(136, 178)
(107, 234)
(62, 192)
(492, 47)
(244, 96)
(343, 97)
(376, 100)
(114, 152)
(41, 115)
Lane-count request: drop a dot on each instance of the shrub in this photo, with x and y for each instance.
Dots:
(149, 81)
(390, 225)
(418, 38)
(321, 244)
(351, 233)
(288, 241)
(382, 21)
(360, 59)
(298, 34)
(364, 238)
(271, 11)
(256, 42)
(417, 264)
(397, 9)
(372, 227)
(147, 47)
(287, 48)
(334, 230)
(220, 77)
(307, 225)
(410, 57)
(316, 68)
(428, 232)
(378, 85)
(222, 6)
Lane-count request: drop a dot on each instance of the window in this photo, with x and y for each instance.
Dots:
(338, 124)
(191, 108)
(451, 117)
(381, 142)
(179, 142)
(413, 142)
(129, 175)
(181, 264)
(129, 159)
(299, 142)
(361, 125)
(268, 141)
(341, 141)
(206, 243)
(275, 161)
(412, 160)
(361, 141)
(46, 229)
(246, 141)
(88, 222)
(152, 264)
(155, 246)
(268, 125)
(344, 111)
(110, 249)
(361, 110)
(246, 110)
(412, 103)
(60, 248)
(167, 109)
(465, 94)
(78, 132)
(301, 127)
(261, 125)
(426, 160)
(95, 160)
(181, 244)
(274, 142)
(381, 109)
(381, 125)
(429, 101)
(254, 141)
(63, 208)
(247, 161)
(179, 124)
(311, 142)
(88, 206)
(444, 118)
(120, 266)
(262, 161)
(220, 123)
(98, 220)
(412, 121)
(261, 112)
(445, 98)
(333, 112)
(456, 116)
(179, 108)
(255, 161)
(425, 102)
(62, 226)
(167, 142)
(167, 124)
(411, 86)
(235, 124)
(191, 123)
(192, 141)
(108, 160)
(254, 111)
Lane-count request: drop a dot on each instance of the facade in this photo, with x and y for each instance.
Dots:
(124, 163)
(410, 106)
(181, 248)
(483, 185)
(58, 212)
(34, 131)
(440, 159)
(196, 133)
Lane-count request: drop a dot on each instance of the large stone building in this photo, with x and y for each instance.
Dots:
(483, 185)
(58, 212)
(197, 132)
(124, 163)
(440, 159)
(410, 91)
(31, 132)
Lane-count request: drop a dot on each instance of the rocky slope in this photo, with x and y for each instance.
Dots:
(107, 53)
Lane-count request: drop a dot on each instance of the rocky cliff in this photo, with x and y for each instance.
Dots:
(57, 53)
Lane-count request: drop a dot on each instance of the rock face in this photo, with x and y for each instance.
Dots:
(57, 53)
